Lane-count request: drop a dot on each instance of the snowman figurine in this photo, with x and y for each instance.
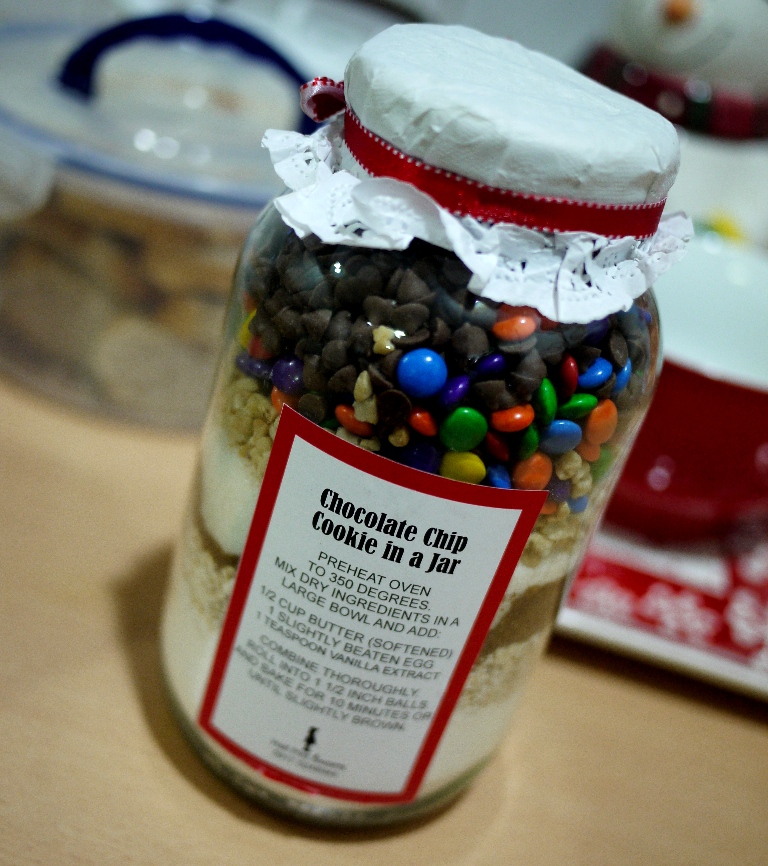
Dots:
(703, 64)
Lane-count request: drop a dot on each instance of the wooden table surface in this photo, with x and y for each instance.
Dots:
(608, 761)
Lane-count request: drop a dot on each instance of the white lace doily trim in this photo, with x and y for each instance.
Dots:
(569, 276)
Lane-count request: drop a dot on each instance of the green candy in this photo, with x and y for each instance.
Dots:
(577, 407)
(545, 403)
(602, 464)
(463, 430)
(529, 443)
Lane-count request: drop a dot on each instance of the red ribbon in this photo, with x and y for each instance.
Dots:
(322, 97)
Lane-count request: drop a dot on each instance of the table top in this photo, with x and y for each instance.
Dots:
(608, 761)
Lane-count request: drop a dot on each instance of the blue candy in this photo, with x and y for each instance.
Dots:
(420, 455)
(579, 504)
(497, 476)
(253, 367)
(560, 436)
(421, 373)
(622, 378)
(598, 373)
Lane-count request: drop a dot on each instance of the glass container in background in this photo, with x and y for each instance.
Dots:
(130, 172)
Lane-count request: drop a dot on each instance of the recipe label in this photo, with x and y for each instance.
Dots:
(363, 595)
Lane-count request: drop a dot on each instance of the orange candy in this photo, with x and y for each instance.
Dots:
(588, 451)
(549, 507)
(422, 422)
(601, 422)
(533, 473)
(514, 419)
(515, 323)
(280, 399)
(345, 415)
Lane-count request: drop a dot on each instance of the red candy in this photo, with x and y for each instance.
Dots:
(497, 446)
(569, 378)
(422, 422)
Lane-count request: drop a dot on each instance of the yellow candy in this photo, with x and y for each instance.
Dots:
(462, 466)
(244, 335)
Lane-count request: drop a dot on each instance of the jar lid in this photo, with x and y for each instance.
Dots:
(170, 103)
(548, 186)
(492, 111)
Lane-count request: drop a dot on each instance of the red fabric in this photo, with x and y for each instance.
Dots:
(466, 197)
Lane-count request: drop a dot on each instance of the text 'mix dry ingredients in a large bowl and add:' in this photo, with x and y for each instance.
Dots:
(450, 314)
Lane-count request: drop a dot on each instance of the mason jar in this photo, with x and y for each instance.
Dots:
(410, 442)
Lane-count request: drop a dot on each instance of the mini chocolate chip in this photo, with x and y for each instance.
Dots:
(288, 322)
(585, 356)
(409, 317)
(340, 326)
(271, 340)
(379, 381)
(313, 406)
(470, 341)
(353, 263)
(411, 288)
(412, 341)
(308, 346)
(316, 322)
(550, 345)
(441, 333)
(574, 334)
(350, 292)
(274, 303)
(378, 310)
(493, 395)
(393, 283)
(334, 355)
(371, 277)
(517, 347)
(388, 363)
(528, 375)
(639, 349)
(394, 407)
(321, 296)
(606, 388)
(314, 376)
(617, 348)
(456, 272)
(344, 379)
(312, 243)
(361, 337)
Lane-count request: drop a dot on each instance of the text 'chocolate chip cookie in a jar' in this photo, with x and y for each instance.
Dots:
(442, 340)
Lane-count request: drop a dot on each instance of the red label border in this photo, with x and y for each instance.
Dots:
(291, 426)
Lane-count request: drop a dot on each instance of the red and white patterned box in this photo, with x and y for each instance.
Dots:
(700, 609)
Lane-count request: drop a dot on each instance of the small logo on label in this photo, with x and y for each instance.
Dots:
(310, 739)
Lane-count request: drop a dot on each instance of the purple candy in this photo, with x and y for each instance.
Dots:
(596, 331)
(492, 366)
(420, 455)
(253, 367)
(288, 375)
(559, 490)
(454, 391)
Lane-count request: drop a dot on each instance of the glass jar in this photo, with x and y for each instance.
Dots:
(531, 404)
(435, 363)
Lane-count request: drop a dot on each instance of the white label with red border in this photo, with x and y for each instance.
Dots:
(363, 596)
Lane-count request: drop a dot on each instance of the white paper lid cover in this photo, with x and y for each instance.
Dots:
(490, 110)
